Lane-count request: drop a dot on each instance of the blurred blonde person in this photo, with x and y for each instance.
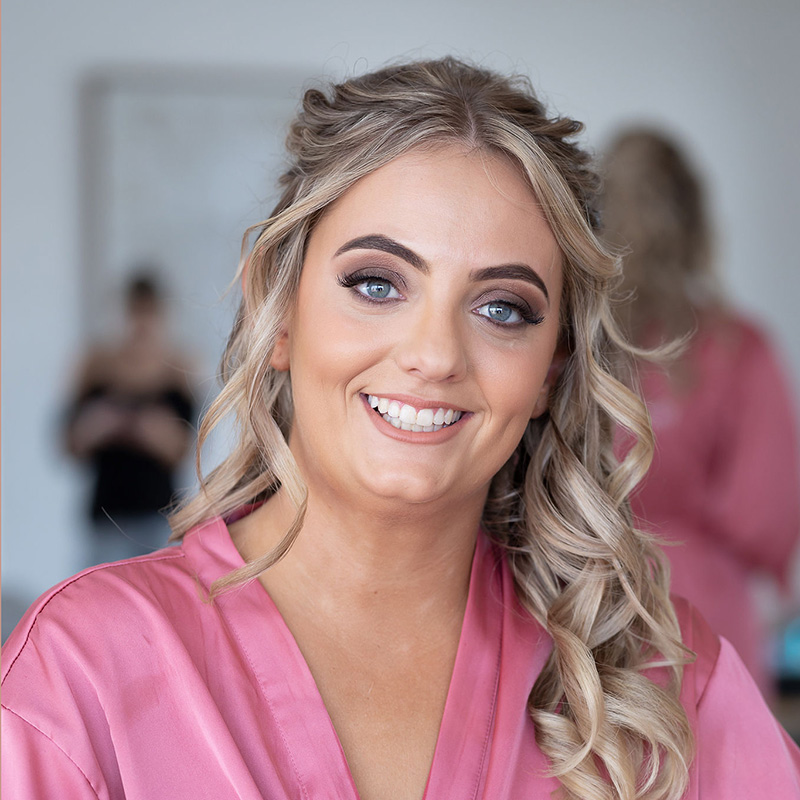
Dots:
(723, 486)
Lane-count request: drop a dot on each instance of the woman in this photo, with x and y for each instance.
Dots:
(131, 420)
(724, 486)
(456, 603)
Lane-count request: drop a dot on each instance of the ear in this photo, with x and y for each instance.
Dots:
(280, 355)
(553, 373)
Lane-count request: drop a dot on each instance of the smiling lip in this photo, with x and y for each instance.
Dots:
(400, 416)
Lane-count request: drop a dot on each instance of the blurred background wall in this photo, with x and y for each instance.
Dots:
(722, 76)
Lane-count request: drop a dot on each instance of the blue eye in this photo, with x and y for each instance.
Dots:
(376, 288)
(503, 313)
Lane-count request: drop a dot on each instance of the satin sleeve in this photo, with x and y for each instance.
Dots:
(742, 751)
(34, 767)
(751, 503)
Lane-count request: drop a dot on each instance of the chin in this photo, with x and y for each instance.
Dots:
(406, 489)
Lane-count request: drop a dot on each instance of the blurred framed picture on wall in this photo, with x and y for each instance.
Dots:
(177, 164)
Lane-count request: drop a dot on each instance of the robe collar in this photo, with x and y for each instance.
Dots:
(485, 732)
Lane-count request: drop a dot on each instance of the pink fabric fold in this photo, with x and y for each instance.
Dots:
(125, 682)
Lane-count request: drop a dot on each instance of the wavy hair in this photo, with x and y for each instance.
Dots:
(559, 507)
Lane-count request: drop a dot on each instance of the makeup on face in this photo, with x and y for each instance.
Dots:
(378, 284)
(425, 325)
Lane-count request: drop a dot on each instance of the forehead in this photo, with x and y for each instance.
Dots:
(448, 204)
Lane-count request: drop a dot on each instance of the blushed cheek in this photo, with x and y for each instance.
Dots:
(333, 348)
(519, 384)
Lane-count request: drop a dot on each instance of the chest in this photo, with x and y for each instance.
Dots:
(250, 721)
(386, 704)
(233, 707)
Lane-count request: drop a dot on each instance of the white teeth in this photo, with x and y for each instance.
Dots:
(425, 417)
(408, 414)
(407, 418)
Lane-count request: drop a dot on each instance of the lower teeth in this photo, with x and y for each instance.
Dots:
(406, 427)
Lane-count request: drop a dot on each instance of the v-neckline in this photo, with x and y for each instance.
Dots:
(313, 752)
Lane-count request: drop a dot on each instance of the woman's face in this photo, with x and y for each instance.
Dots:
(431, 290)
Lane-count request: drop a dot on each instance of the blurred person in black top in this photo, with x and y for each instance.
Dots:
(131, 421)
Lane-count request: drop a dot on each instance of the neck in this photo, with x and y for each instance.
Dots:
(389, 570)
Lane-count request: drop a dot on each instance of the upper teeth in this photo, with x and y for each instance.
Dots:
(406, 417)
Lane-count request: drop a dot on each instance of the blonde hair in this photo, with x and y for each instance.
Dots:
(558, 508)
(654, 208)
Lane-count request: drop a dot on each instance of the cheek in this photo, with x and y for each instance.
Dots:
(326, 347)
(514, 403)
(513, 383)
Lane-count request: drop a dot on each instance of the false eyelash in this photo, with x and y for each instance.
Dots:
(529, 317)
(354, 278)
(349, 281)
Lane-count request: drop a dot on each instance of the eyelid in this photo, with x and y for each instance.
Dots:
(374, 271)
(509, 297)
(354, 280)
(516, 275)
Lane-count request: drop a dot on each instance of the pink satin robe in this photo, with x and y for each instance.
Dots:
(725, 482)
(123, 682)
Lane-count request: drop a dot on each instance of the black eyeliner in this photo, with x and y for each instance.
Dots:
(349, 280)
(529, 316)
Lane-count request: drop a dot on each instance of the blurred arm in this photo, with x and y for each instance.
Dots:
(753, 502)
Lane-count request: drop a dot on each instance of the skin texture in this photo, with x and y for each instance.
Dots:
(429, 345)
(375, 587)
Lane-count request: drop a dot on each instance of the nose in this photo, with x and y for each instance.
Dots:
(433, 347)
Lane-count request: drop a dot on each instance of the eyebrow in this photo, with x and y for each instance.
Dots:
(385, 245)
(517, 272)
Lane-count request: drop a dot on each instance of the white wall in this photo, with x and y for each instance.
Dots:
(725, 75)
